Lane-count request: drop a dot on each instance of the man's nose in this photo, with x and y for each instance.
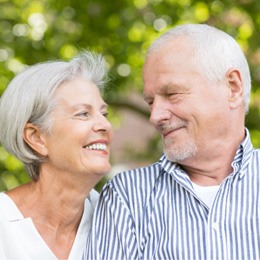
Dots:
(160, 112)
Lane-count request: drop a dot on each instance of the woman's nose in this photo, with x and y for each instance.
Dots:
(102, 124)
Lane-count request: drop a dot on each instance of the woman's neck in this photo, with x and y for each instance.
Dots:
(55, 206)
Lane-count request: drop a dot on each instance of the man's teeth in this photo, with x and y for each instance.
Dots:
(96, 147)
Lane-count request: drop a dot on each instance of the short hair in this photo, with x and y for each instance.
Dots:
(30, 98)
(215, 52)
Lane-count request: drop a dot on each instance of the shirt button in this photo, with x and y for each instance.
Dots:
(215, 226)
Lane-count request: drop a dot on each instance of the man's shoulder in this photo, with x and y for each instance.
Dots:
(136, 186)
(256, 151)
(256, 156)
(143, 178)
(149, 171)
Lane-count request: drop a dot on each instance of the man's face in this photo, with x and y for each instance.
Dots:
(189, 110)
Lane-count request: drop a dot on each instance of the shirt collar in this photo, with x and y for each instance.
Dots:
(176, 171)
(243, 155)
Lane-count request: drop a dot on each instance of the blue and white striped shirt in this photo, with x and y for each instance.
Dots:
(154, 213)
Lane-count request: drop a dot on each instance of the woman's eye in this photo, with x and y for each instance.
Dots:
(83, 114)
(105, 114)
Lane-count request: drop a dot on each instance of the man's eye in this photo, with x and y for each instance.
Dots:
(149, 102)
(172, 94)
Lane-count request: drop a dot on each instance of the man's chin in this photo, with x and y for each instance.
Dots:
(178, 155)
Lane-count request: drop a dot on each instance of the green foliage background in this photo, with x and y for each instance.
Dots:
(36, 31)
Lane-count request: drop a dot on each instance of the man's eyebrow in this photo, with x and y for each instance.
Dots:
(170, 86)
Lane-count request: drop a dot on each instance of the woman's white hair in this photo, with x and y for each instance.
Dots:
(30, 98)
(215, 52)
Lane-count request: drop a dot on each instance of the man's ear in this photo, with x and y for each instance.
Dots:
(34, 137)
(235, 84)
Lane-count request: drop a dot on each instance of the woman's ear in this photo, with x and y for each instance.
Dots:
(34, 137)
(235, 84)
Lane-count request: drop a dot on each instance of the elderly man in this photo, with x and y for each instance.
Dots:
(201, 200)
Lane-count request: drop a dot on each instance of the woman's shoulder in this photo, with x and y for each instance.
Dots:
(8, 209)
(5, 201)
(93, 197)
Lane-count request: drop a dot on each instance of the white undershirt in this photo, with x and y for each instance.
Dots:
(206, 193)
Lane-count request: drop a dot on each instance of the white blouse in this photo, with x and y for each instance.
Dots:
(19, 239)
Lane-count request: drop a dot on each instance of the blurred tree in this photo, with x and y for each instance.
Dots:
(35, 31)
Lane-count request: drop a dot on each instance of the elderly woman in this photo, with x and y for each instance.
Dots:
(53, 119)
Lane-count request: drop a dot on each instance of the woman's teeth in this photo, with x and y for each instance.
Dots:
(96, 147)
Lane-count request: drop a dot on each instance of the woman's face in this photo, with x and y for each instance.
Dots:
(81, 135)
